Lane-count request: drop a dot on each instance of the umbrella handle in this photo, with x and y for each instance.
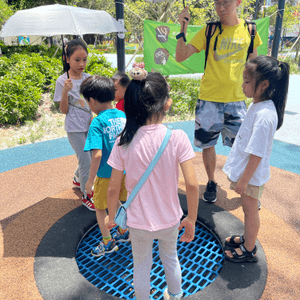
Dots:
(184, 7)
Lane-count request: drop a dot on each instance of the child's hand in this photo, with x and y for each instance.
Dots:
(241, 187)
(189, 232)
(109, 224)
(68, 85)
(88, 186)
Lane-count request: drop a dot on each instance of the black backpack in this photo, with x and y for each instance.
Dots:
(211, 28)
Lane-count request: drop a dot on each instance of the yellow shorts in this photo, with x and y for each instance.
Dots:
(100, 192)
(252, 191)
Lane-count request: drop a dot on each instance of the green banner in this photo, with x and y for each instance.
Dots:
(160, 45)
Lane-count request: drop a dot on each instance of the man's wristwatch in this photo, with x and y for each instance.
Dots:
(181, 34)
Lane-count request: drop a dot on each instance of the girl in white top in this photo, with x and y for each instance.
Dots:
(248, 165)
(155, 212)
(78, 113)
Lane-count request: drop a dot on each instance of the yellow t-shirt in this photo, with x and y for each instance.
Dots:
(223, 77)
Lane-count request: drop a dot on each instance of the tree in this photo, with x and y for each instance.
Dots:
(291, 21)
(5, 12)
(138, 10)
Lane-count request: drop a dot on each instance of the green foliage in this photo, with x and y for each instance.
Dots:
(293, 62)
(44, 50)
(25, 75)
(98, 65)
(139, 59)
(184, 92)
(19, 99)
(5, 12)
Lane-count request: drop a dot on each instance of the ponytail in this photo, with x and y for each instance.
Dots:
(143, 100)
(280, 93)
(277, 73)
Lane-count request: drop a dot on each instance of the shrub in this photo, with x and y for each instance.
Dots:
(184, 92)
(19, 98)
(98, 65)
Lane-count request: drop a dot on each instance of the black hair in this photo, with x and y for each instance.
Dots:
(277, 73)
(143, 100)
(101, 89)
(69, 49)
(122, 77)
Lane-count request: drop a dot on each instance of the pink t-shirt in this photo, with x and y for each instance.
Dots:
(156, 205)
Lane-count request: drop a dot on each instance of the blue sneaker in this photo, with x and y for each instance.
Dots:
(169, 296)
(101, 249)
(118, 237)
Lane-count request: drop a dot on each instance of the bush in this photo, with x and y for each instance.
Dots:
(24, 76)
(43, 50)
(98, 65)
(184, 92)
(19, 99)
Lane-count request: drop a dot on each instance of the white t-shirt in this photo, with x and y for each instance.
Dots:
(156, 205)
(255, 136)
(79, 114)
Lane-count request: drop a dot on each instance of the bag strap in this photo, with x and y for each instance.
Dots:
(252, 31)
(210, 30)
(149, 169)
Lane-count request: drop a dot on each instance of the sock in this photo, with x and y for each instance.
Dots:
(106, 239)
(122, 231)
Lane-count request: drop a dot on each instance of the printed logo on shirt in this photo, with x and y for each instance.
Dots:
(228, 44)
(115, 128)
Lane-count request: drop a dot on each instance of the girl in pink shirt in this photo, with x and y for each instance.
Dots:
(155, 212)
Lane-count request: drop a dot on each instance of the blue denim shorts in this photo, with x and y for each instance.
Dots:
(213, 118)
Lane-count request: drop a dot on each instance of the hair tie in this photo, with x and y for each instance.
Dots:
(138, 74)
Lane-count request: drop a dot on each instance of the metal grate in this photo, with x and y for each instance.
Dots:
(201, 262)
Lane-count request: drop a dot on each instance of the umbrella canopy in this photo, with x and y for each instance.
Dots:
(59, 19)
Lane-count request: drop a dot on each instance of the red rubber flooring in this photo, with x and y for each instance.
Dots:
(36, 196)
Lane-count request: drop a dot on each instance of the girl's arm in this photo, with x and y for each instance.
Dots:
(64, 103)
(192, 194)
(252, 165)
(113, 192)
(95, 163)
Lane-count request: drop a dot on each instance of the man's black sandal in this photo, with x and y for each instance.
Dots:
(232, 243)
(247, 256)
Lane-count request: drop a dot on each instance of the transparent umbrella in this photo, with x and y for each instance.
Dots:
(50, 20)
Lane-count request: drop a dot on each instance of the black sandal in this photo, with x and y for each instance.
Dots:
(233, 244)
(247, 256)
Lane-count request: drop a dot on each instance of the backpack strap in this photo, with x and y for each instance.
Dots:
(252, 31)
(210, 30)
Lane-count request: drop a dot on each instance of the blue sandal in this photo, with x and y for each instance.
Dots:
(247, 256)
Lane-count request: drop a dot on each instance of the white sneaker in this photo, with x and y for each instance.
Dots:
(167, 296)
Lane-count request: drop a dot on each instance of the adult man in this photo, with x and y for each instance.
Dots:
(221, 105)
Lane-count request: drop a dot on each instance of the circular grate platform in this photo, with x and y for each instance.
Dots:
(201, 262)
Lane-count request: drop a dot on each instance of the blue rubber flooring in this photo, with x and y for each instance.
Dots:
(284, 156)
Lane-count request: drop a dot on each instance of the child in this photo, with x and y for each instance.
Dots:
(77, 111)
(121, 81)
(155, 212)
(99, 93)
(248, 164)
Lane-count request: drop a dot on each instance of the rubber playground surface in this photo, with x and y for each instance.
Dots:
(36, 195)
